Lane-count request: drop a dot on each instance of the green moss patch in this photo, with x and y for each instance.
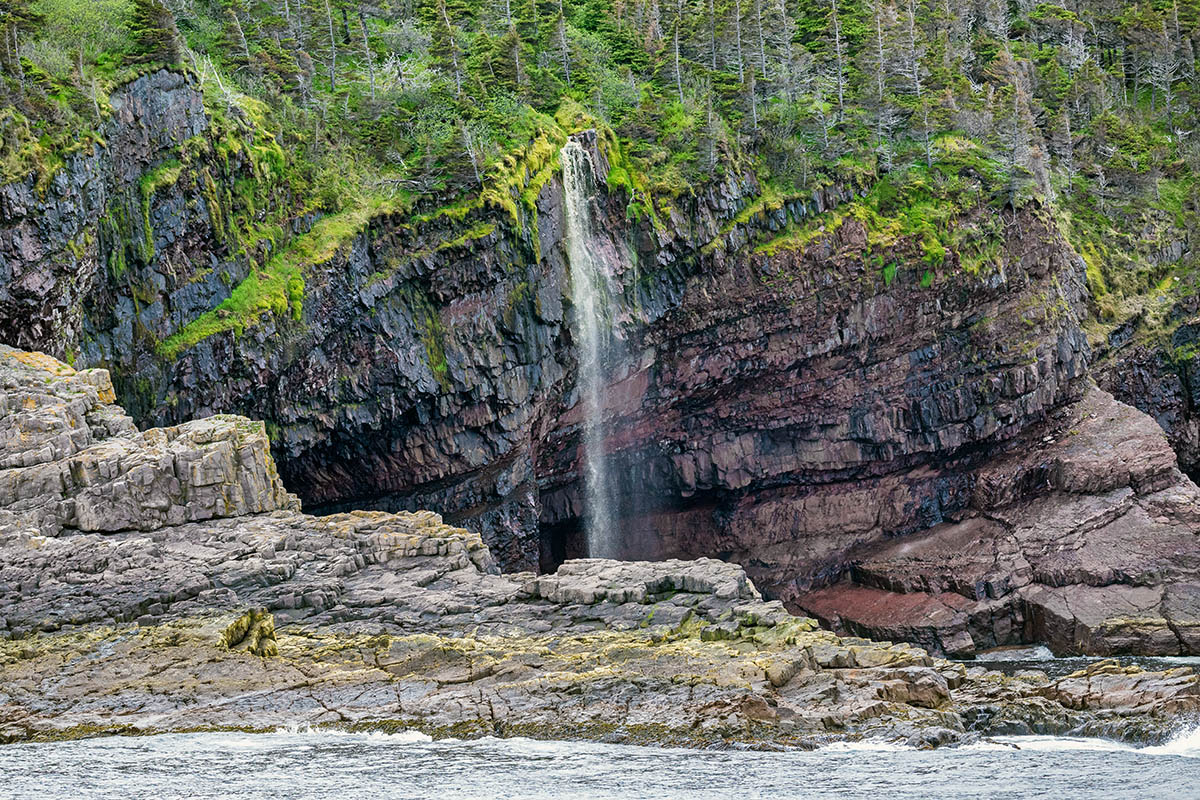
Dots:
(278, 287)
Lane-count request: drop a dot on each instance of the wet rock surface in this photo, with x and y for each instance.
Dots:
(379, 620)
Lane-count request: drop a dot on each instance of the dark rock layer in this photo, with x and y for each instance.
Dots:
(795, 409)
(254, 616)
(1158, 372)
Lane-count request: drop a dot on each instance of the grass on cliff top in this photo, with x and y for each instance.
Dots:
(1122, 245)
(278, 287)
(921, 204)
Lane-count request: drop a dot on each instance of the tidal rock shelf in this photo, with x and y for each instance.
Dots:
(165, 581)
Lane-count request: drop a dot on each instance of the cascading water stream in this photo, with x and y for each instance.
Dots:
(589, 294)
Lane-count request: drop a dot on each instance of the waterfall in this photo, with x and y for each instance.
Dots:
(589, 294)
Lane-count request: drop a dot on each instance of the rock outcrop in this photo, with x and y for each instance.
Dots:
(1085, 540)
(256, 618)
(69, 459)
(814, 407)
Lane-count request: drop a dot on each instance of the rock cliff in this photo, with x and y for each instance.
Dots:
(798, 392)
(260, 616)
(1152, 365)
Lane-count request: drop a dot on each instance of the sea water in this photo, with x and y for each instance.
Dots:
(326, 764)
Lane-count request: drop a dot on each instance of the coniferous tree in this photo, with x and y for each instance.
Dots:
(367, 55)
(156, 37)
(839, 55)
(445, 47)
(238, 47)
(17, 18)
(561, 34)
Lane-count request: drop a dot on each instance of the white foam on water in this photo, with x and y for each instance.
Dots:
(1037, 652)
(873, 745)
(397, 737)
(1053, 744)
(1184, 743)
(1184, 661)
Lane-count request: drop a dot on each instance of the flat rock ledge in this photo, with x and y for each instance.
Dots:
(165, 581)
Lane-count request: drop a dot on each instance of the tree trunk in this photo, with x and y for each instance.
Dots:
(879, 67)
(469, 144)
(562, 41)
(454, 51)
(737, 19)
(332, 49)
(712, 32)
(678, 76)
(241, 34)
(362, 24)
(753, 100)
(914, 64)
(762, 41)
(841, 70)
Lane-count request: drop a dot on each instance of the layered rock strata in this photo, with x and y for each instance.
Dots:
(1085, 540)
(71, 460)
(262, 616)
(798, 392)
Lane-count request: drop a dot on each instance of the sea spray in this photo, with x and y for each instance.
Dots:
(590, 298)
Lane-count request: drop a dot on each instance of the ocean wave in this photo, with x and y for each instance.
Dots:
(390, 737)
(1185, 742)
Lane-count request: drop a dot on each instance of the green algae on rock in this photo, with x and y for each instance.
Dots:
(253, 619)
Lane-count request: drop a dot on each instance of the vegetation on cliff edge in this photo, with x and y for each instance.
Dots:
(934, 108)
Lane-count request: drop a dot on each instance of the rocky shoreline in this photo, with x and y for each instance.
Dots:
(166, 581)
(899, 449)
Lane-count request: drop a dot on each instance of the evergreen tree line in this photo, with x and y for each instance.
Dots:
(1055, 96)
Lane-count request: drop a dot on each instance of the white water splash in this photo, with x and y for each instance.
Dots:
(395, 737)
(1033, 652)
(867, 745)
(589, 295)
(1184, 743)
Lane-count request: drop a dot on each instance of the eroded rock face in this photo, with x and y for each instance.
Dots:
(1085, 540)
(70, 459)
(54, 261)
(1158, 373)
(378, 620)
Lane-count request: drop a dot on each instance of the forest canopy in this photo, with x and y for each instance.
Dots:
(1086, 107)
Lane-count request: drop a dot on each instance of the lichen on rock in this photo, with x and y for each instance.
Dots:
(373, 620)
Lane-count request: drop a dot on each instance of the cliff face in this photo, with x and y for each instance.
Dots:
(794, 403)
(234, 610)
(1158, 372)
(66, 281)
(788, 404)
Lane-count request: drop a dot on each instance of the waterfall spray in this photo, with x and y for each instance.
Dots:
(588, 291)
